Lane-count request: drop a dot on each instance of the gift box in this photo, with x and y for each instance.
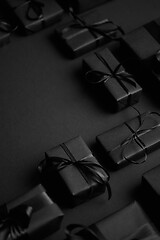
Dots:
(101, 69)
(77, 172)
(82, 5)
(144, 46)
(87, 31)
(33, 215)
(127, 224)
(132, 141)
(33, 15)
(151, 191)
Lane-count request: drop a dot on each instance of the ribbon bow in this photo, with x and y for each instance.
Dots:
(34, 10)
(120, 76)
(15, 222)
(93, 28)
(135, 137)
(87, 168)
(87, 233)
(6, 27)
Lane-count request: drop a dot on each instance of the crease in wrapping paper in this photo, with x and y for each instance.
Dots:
(71, 176)
(123, 95)
(48, 13)
(113, 145)
(80, 39)
(46, 216)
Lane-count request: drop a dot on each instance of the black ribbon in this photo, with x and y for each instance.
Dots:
(35, 10)
(94, 28)
(120, 76)
(6, 27)
(15, 222)
(136, 138)
(87, 232)
(87, 168)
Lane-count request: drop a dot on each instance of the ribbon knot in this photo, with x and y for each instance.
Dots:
(88, 168)
(94, 28)
(135, 137)
(35, 10)
(15, 222)
(97, 77)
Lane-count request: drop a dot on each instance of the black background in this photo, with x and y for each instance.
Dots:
(44, 102)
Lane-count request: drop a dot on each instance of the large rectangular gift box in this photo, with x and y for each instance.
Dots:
(82, 5)
(33, 215)
(102, 70)
(127, 224)
(144, 46)
(132, 141)
(151, 192)
(71, 172)
(33, 15)
(87, 31)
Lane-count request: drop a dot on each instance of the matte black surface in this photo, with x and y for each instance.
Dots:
(44, 101)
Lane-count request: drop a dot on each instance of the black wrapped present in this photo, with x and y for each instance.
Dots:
(87, 31)
(132, 141)
(76, 170)
(144, 46)
(127, 224)
(33, 15)
(32, 216)
(151, 192)
(103, 70)
(81, 5)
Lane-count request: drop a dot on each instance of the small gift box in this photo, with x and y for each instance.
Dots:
(132, 141)
(33, 215)
(87, 32)
(102, 69)
(127, 224)
(78, 173)
(145, 48)
(33, 15)
(151, 192)
(82, 5)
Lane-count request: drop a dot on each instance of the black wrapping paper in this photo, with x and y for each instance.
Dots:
(92, 30)
(127, 224)
(82, 5)
(35, 15)
(46, 216)
(144, 46)
(132, 141)
(100, 71)
(75, 184)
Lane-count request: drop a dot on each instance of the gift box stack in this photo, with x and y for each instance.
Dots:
(71, 173)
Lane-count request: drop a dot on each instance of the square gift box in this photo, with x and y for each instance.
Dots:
(87, 31)
(132, 141)
(126, 224)
(33, 15)
(32, 215)
(71, 172)
(102, 70)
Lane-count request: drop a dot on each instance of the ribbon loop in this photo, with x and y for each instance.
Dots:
(16, 221)
(34, 10)
(87, 168)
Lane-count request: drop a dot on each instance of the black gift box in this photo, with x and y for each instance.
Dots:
(82, 5)
(33, 15)
(72, 167)
(127, 224)
(132, 141)
(44, 220)
(145, 48)
(151, 192)
(100, 69)
(87, 31)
